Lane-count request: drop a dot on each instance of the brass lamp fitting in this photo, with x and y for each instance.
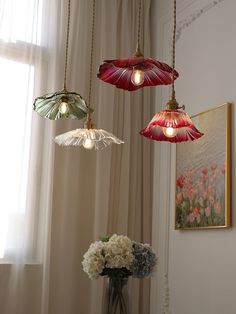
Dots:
(88, 124)
(138, 52)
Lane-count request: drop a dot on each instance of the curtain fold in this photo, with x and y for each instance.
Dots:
(76, 195)
(109, 191)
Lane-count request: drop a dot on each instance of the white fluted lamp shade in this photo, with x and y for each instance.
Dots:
(61, 105)
(88, 138)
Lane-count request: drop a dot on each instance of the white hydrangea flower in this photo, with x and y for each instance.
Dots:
(119, 252)
(94, 260)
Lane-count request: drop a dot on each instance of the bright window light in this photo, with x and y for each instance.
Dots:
(16, 83)
(20, 36)
(27, 17)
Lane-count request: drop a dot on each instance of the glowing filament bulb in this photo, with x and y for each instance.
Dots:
(170, 132)
(137, 77)
(63, 107)
(88, 143)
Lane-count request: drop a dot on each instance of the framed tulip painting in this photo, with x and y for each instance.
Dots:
(202, 198)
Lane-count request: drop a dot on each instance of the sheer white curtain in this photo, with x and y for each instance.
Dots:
(27, 156)
(68, 197)
(18, 65)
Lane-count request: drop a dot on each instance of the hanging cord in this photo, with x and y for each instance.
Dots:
(138, 50)
(67, 45)
(173, 54)
(172, 103)
(139, 22)
(88, 122)
(91, 55)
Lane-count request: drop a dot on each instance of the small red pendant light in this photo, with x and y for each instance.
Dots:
(137, 71)
(173, 124)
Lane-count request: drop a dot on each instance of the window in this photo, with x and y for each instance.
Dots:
(20, 35)
(21, 21)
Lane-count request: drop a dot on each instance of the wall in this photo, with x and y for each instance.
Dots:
(200, 264)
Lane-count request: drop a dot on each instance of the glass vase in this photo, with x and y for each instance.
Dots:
(117, 295)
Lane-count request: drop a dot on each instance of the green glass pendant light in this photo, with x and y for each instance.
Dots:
(62, 104)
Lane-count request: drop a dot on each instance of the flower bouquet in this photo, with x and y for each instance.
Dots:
(117, 257)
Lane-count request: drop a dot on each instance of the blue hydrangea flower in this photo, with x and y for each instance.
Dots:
(144, 260)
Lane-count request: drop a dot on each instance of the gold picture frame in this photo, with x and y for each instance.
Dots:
(203, 173)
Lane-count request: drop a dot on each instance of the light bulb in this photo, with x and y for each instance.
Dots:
(137, 77)
(63, 107)
(88, 143)
(170, 132)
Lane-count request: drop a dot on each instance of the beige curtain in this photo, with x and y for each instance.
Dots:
(74, 196)
(99, 193)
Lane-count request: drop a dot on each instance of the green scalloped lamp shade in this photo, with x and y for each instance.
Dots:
(48, 106)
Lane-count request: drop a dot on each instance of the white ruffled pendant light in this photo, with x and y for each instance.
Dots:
(89, 137)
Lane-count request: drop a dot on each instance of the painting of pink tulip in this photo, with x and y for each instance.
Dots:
(202, 198)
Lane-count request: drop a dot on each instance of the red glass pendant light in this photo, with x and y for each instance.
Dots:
(135, 72)
(173, 124)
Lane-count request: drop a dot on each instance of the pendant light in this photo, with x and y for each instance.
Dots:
(173, 124)
(62, 104)
(137, 71)
(88, 137)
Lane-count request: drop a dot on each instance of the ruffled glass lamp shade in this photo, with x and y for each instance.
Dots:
(172, 126)
(136, 72)
(61, 104)
(88, 138)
